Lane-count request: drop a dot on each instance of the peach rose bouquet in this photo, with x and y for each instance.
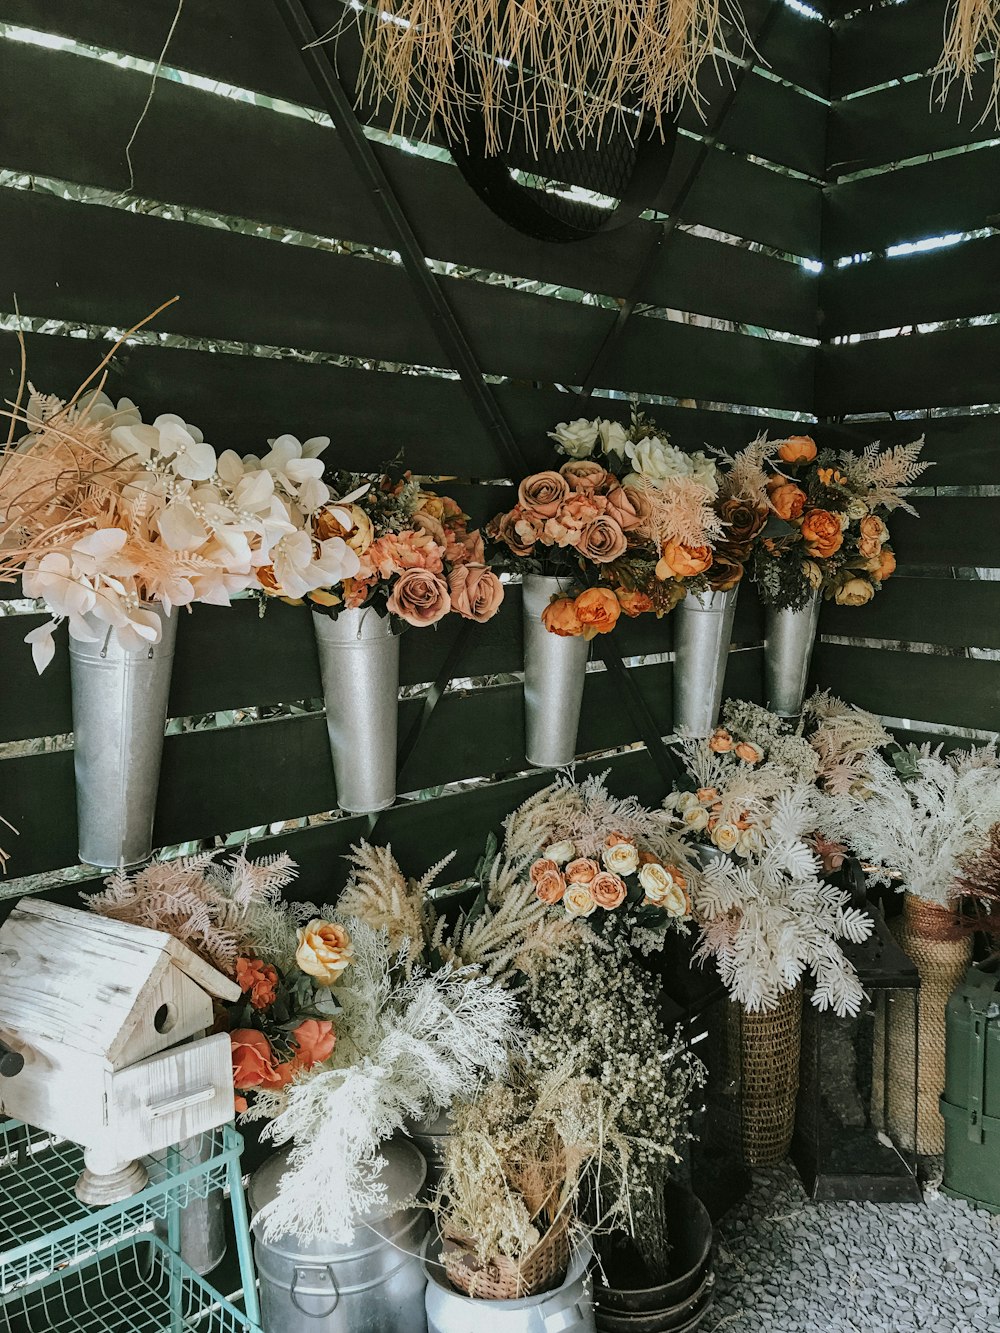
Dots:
(828, 509)
(628, 521)
(412, 554)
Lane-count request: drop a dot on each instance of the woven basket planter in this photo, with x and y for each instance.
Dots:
(765, 1049)
(941, 951)
(503, 1279)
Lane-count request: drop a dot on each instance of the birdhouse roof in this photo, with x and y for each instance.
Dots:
(81, 979)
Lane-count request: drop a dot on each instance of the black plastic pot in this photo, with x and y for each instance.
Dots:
(675, 1306)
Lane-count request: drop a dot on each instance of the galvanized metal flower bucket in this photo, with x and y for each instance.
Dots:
(703, 629)
(555, 669)
(119, 716)
(359, 663)
(788, 644)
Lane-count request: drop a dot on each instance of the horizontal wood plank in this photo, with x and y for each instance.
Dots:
(214, 782)
(261, 661)
(283, 171)
(952, 283)
(886, 43)
(926, 688)
(954, 368)
(951, 530)
(319, 301)
(954, 612)
(902, 121)
(962, 449)
(951, 194)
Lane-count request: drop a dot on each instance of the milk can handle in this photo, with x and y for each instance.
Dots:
(302, 1271)
(563, 1319)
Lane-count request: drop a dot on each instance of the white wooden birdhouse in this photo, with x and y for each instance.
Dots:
(110, 1020)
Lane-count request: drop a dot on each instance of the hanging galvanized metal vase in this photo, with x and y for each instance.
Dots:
(359, 663)
(703, 629)
(788, 643)
(203, 1218)
(373, 1283)
(555, 669)
(119, 715)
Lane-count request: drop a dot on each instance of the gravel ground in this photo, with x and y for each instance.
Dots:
(786, 1265)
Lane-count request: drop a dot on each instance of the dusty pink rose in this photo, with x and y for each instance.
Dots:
(582, 870)
(517, 529)
(627, 507)
(476, 592)
(419, 597)
(607, 890)
(466, 548)
(550, 887)
(543, 493)
(397, 551)
(541, 867)
(584, 475)
(602, 541)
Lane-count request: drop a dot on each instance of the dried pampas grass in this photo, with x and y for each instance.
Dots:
(973, 29)
(561, 73)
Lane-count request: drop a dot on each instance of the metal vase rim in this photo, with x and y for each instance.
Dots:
(359, 665)
(704, 631)
(789, 638)
(120, 698)
(555, 669)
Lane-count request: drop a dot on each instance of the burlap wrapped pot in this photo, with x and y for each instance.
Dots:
(764, 1048)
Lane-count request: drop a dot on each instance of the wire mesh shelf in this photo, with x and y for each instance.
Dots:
(44, 1226)
(136, 1286)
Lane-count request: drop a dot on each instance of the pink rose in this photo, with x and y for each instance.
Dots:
(476, 592)
(419, 597)
(584, 475)
(602, 541)
(543, 493)
(517, 530)
(627, 507)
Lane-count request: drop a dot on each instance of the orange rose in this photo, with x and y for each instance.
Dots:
(797, 449)
(633, 602)
(787, 499)
(542, 494)
(750, 754)
(582, 870)
(720, 741)
(608, 890)
(597, 610)
(583, 474)
(543, 866)
(678, 561)
(253, 1061)
(616, 836)
(258, 978)
(550, 887)
(822, 533)
(873, 534)
(707, 795)
(649, 859)
(560, 617)
(882, 565)
(267, 579)
(314, 1040)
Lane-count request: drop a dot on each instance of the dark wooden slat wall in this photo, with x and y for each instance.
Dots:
(98, 265)
(878, 122)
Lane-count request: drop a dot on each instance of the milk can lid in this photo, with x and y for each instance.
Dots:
(403, 1175)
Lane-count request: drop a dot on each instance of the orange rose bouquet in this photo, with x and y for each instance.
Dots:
(828, 511)
(412, 554)
(629, 522)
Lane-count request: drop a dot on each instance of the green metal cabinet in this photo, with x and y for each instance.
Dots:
(970, 1103)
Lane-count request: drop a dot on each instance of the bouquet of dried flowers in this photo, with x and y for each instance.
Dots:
(829, 509)
(629, 522)
(412, 553)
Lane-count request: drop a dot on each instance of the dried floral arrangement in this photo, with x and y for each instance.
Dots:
(765, 911)
(924, 814)
(978, 879)
(412, 555)
(629, 523)
(828, 511)
(596, 858)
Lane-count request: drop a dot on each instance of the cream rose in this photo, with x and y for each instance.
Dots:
(576, 439)
(695, 818)
(621, 859)
(324, 950)
(613, 437)
(560, 852)
(751, 842)
(578, 901)
(726, 837)
(662, 890)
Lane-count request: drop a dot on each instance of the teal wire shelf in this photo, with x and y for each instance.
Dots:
(44, 1226)
(136, 1286)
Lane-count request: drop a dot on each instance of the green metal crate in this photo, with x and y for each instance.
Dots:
(970, 1103)
(135, 1286)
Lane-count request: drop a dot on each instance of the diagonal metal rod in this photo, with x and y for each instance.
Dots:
(665, 230)
(442, 318)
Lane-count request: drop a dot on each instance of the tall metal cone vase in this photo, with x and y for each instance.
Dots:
(789, 637)
(703, 629)
(555, 669)
(119, 716)
(359, 664)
